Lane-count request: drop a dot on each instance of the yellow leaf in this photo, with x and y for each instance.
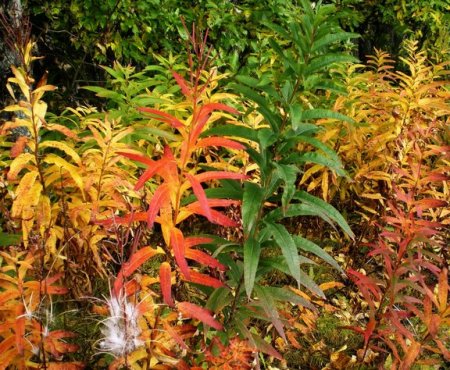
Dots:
(25, 186)
(19, 163)
(73, 171)
(63, 147)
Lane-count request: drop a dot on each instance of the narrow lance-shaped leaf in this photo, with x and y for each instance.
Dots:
(268, 304)
(178, 247)
(160, 197)
(193, 311)
(200, 194)
(251, 206)
(252, 250)
(285, 241)
(165, 275)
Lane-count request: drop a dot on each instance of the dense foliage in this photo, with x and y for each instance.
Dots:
(241, 192)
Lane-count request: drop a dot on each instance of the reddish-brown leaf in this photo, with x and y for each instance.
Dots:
(182, 83)
(149, 173)
(19, 146)
(204, 114)
(201, 196)
(138, 259)
(411, 355)
(202, 279)
(219, 141)
(20, 328)
(163, 117)
(443, 290)
(204, 258)
(178, 247)
(196, 312)
(138, 158)
(174, 334)
(165, 275)
(218, 175)
(216, 217)
(192, 241)
(160, 198)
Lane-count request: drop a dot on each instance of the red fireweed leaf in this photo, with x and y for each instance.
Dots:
(138, 259)
(182, 83)
(218, 175)
(165, 275)
(204, 258)
(201, 196)
(178, 247)
(163, 117)
(192, 241)
(160, 198)
(196, 312)
(219, 141)
(138, 158)
(411, 355)
(149, 173)
(202, 279)
(216, 217)
(204, 115)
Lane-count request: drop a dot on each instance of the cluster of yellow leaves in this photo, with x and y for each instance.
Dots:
(384, 103)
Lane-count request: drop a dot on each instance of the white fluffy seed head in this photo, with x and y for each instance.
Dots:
(121, 329)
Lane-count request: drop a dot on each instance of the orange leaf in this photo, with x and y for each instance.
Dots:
(204, 258)
(192, 241)
(202, 279)
(159, 199)
(201, 196)
(204, 115)
(411, 355)
(20, 328)
(443, 290)
(163, 117)
(178, 247)
(217, 175)
(173, 333)
(165, 275)
(138, 259)
(219, 141)
(19, 146)
(196, 312)
(138, 158)
(182, 83)
(216, 217)
(148, 174)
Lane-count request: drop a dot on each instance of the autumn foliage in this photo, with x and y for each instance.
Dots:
(204, 220)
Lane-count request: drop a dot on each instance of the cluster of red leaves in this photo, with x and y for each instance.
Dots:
(409, 301)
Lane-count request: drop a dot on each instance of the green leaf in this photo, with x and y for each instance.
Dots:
(331, 38)
(263, 106)
(308, 246)
(251, 206)
(323, 207)
(232, 131)
(105, 93)
(325, 61)
(325, 113)
(267, 303)
(286, 295)
(284, 240)
(252, 250)
(314, 157)
(218, 299)
(288, 174)
(7, 240)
